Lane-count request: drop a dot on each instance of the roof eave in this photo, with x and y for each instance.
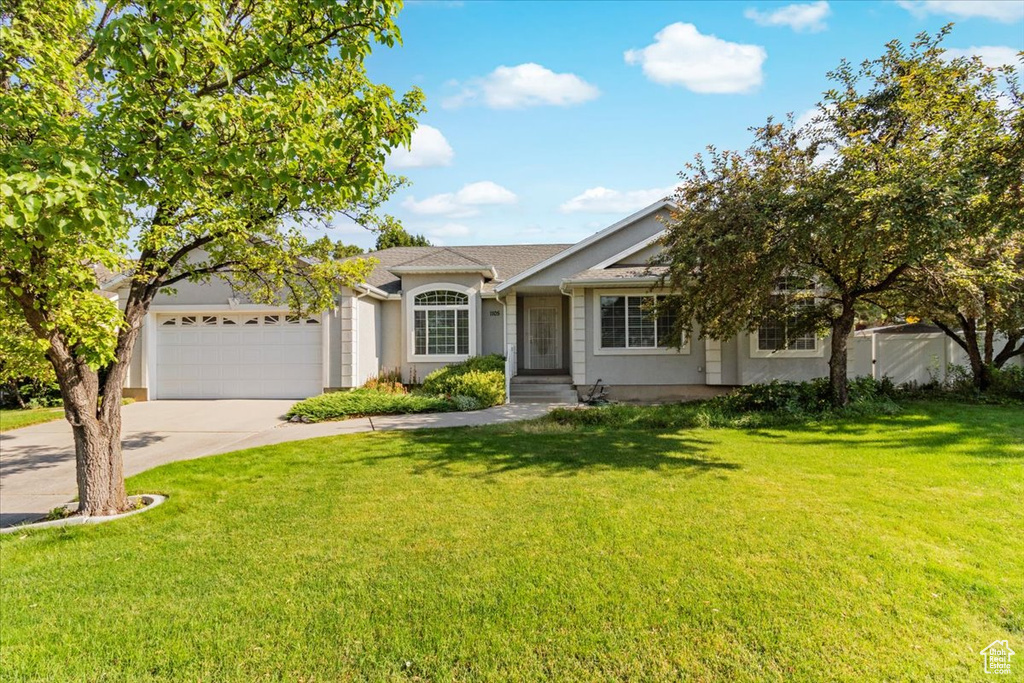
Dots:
(620, 282)
(487, 271)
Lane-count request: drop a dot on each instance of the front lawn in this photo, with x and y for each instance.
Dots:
(882, 548)
(23, 417)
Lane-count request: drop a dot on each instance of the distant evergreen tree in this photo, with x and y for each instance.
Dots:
(395, 235)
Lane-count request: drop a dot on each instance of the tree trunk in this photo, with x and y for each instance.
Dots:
(17, 394)
(1010, 348)
(980, 374)
(101, 488)
(842, 328)
(93, 408)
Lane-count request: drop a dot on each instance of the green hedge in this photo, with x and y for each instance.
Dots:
(362, 402)
(481, 378)
(754, 406)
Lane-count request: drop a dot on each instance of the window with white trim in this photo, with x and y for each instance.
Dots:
(441, 323)
(774, 334)
(629, 322)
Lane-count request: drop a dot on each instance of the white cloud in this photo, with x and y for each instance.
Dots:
(682, 55)
(438, 234)
(461, 204)
(604, 200)
(808, 17)
(991, 55)
(428, 148)
(1007, 11)
(526, 85)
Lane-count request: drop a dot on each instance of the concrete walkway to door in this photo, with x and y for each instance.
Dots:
(37, 464)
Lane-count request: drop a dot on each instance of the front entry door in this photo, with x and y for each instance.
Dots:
(543, 337)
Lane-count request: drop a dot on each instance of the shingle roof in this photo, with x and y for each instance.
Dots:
(645, 273)
(507, 260)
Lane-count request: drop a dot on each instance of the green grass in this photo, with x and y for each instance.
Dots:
(885, 548)
(13, 419)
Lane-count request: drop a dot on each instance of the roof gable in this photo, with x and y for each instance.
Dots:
(505, 260)
(601, 247)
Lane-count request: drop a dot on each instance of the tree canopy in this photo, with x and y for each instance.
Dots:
(394, 235)
(847, 205)
(175, 140)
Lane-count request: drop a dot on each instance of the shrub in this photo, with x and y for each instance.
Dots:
(1007, 386)
(389, 381)
(754, 406)
(806, 398)
(480, 377)
(362, 402)
(486, 388)
(466, 403)
(1009, 381)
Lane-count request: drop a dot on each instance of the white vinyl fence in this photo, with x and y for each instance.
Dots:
(918, 357)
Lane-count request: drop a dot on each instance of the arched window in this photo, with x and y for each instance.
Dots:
(441, 323)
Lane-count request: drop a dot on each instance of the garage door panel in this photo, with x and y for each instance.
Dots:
(214, 359)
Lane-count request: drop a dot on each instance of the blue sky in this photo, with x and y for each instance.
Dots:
(547, 121)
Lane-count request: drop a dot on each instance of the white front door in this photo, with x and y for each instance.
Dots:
(250, 355)
(543, 335)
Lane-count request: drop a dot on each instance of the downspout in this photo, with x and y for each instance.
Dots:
(508, 356)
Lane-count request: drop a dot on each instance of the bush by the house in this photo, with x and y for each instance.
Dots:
(754, 406)
(362, 402)
(389, 381)
(476, 383)
(481, 378)
(805, 398)
(1007, 386)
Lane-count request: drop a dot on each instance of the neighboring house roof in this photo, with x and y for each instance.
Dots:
(504, 261)
(618, 275)
(583, 244)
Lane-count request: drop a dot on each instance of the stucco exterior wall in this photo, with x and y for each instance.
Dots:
(730, 362)
(391, 335)
(632, 368)
(369, 347)
(414, 370)
(642, 257)
(492, 327)
(217, 291)
(756, 370)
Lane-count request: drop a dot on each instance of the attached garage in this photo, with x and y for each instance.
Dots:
(238, 355)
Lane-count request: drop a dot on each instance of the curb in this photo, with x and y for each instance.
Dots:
(149, 500)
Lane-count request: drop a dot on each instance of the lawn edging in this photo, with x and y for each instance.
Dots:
(149, 501)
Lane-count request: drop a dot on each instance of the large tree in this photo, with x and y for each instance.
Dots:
(975, 294)
(974, 290)
(176, 140)
(845, 205)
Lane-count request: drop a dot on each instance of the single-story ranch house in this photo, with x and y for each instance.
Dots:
(565, 314)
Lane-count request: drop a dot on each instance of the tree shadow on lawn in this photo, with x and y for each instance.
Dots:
(995, 433)
(491, 452)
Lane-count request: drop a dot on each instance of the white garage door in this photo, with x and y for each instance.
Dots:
(265, 355)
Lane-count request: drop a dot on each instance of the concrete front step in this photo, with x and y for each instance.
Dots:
(544, 393)
(543, 380)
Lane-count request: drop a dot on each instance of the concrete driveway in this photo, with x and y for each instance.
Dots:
(37, 464)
